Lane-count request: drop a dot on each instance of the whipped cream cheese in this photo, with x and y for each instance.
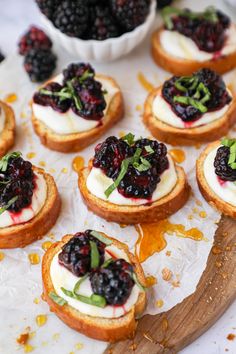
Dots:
(226, 190)
(69, 122)
(180, 46)
(62, 277)
(97, 183)
(26, 214)
(2, 119)
(162, 110)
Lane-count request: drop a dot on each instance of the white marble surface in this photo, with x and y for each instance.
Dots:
(16, 15)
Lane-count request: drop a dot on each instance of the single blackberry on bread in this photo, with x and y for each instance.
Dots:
(40, 64)
(130, 13)
(76, 70)
(34, 38)
(2, 57)
(76, 254)
(222, 168)
(113, 282)
(48, 7)
(71, 17)
(103, 25)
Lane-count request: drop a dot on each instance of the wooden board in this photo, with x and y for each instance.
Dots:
(171, 331)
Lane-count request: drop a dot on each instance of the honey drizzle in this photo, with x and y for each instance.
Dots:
(178, 155)
(152, 237)
(78, 163)
(148, 86)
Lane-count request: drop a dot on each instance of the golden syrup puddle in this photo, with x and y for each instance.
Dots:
(148, 86)
(152, 237)
(178, 155)
(78, 163)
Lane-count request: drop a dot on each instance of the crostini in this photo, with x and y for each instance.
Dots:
(132, 182)
(187, 110)
(192, 40)
(29, 202)
(7, 128)
(95, 285)
(76, 108)
(216, 175)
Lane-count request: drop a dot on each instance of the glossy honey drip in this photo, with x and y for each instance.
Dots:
(78, 163)
(12, 97)
(178, 155)
(148, 86)
(152, 237)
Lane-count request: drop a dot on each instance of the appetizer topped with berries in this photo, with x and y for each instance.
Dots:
(187, 110)
(94, 284)
(76, 108)
(132, 181)
(29, 202)
(191, 40)
(216, 175)
(7, 128)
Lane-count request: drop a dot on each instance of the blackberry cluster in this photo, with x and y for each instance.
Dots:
(135, 184)
(93, 19)
(76, 254)
(79, 79)
(34, 38)
(113, 282)
(209, 36)
(214, 83)
(2, 57)
(163, 3)
(222, 168)
(17, 180)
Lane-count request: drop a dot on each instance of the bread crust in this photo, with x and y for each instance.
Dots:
(7, 136)
(156, 211)
(105, 329)
(78, 141)
(190, 136)
(205, 189)
(179, 66)
(23, 234)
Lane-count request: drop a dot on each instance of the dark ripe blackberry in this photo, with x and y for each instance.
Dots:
(222, 168)
(2, 57)
(103, 25)
(92, 99)
(34, 38)
(40, 64)
(76, 70)
(48, 7)
(130, 13)
(76, 254)
(163, 3)
(18, 168)
(110, 154)
(71, 17)
(114, 282)
(61, 106)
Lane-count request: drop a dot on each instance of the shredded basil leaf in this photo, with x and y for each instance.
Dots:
(79, 282)
(135, 279)
(149, 149)
(5, 207)
(231, 144)
(95, 300)
(94, 255)
(4, 160)
(57, 299)
(107, 262)
(129, 138)
(101, 238)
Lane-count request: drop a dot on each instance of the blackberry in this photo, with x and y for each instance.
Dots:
(18, 168)
(130, 13)
(103, 25)
(2, 57)
(222, 168)
(114, 282)
(76, 254)
(163, 3)
(61, 106)
(110, 154)
(34, 38)
(48, 7)
(76, 70)
(71, 17)
(40, 64)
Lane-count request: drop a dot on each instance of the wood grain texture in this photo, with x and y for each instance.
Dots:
(171, 331)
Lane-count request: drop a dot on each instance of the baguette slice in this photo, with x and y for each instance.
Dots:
(105, 329)
(213, 199)
(78, 141)
(158, 210)
(190, 136)
(7, 136)
(34, 229)
(179, 66)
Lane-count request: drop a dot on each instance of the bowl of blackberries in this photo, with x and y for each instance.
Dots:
(101, 30)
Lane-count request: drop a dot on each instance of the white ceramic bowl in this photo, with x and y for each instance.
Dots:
(107, 50)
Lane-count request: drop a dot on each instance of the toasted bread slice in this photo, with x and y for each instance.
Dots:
(7, 136)
(179, 66)
(106, 329)
(78, 141)
(34, 229)
(158, 210)
(213, 199)
(189, 136)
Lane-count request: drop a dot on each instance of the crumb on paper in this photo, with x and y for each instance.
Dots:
(231, 336)
(41, 320)
(168, 253)
(159, 303)
(166, 274)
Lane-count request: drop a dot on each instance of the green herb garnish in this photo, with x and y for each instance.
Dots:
(5, 207)
(231, 144)
(149, 149)
(94, 255)
(129, 138)
(101, 238)
(57, 299)
(191, 102)
(95, 300)
(79, 282)
(143, 166)
(107, 262)
(135, 279)
(4, 160)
